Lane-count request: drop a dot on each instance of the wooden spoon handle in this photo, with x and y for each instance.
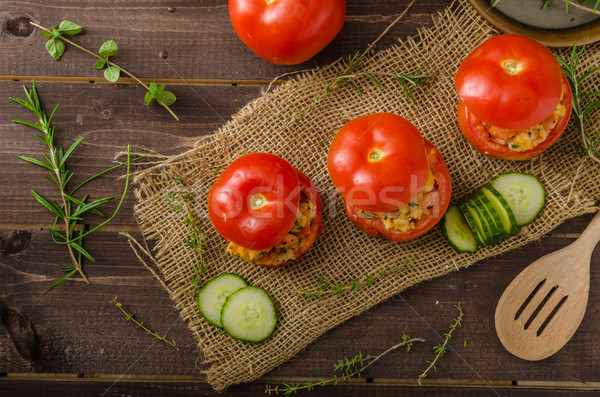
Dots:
(591, 235)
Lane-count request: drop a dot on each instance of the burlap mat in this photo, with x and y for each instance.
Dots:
(343, 253)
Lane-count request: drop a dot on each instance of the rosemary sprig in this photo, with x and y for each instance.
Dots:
(327, 287)
(441, 349)
(56, 48)
(581, 111)
(140, 324)
(70, 210)
(344, 369)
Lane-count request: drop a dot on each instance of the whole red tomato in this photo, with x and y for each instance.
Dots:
(510, 84)
(254, 202)
(380, 163)
(287, 32)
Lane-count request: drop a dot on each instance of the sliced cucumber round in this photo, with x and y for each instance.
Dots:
(495, 223)
(249, 314)
(477, 232)
(524, 194)
(457, 232)
(502, 209)
(215, 292)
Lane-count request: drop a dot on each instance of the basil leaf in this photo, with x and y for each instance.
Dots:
(108, 48)
(70, 28)
(112, 74)
(167, 97)
(55, 48)
(148, 98)
(100, 63)
(46, 34)
(153, 89)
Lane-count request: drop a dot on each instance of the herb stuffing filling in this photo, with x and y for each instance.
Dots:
(288, 248)
(527, 139)
(406, 217)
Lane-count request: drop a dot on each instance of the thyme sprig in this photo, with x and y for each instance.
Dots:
(327, 287)
(69, 210)
(344, 369)
(441, 349)
(140, 324)
(182, 200)
(56, 48)
(353, 71)
(581, 111)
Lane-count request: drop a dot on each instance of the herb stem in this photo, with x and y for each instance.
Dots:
(440, 350)
(109, 63)
(75, 261)
(349, 367)
(140, 324)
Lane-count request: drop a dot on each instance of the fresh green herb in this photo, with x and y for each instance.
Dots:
(344, 369)
(581, 5)
(69, 210)
(412, 78)
(581, 111)
(327, 287)
(183, 200)
(441, 349)
(56, 48)
(140, 324)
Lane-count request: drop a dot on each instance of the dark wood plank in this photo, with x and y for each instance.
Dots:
(110, 118)
(151, 388)
(198, 37)
(80, 332)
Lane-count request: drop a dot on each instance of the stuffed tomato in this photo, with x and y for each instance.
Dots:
(515, 102)
(394, 182)
(268, 211)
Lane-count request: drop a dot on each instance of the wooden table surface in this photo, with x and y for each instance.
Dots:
(72, 341)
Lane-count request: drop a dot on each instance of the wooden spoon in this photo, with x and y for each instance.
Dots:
(543, 306)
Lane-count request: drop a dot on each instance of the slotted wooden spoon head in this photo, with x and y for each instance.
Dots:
(543, 306)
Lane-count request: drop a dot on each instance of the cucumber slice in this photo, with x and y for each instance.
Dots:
(502, 209)
(524, 194)
(481, 224)
(213, 295)
(485, 205)
(249, 314)
(457, 231)
(481, 216)
(477, 233)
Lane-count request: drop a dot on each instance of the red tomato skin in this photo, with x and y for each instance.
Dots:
(510, 100)
(472, 128)
(377, 227)
(383, 185)
(287, 32)
(229, 200)
(307, 187)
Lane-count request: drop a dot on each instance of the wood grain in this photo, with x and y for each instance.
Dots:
(198, 37)
(151, 387)
(74, 342)
(82, 335)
